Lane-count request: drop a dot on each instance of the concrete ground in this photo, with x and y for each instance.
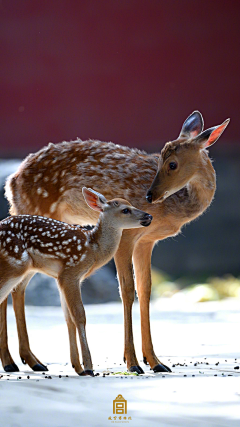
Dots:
(200, 342)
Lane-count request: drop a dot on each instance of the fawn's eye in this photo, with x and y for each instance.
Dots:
(126, 211)
(172, 165)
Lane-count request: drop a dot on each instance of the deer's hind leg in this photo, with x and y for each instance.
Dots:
(123, 261)
(142, 268)
(18, 298)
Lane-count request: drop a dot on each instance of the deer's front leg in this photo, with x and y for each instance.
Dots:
(123, 261)
(18, 299)
(6, 358)
(142, 269)
(70, 288)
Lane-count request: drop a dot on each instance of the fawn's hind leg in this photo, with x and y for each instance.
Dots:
(6, 358)
(7, 282)
(10, 279)
(18, 297)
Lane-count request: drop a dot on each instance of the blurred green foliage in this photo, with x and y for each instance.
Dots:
(211, 289)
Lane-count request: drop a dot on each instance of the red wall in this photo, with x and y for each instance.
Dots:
(129, 71)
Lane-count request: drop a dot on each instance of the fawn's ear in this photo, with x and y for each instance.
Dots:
(192, 126)
(210, 136)
(94, 200)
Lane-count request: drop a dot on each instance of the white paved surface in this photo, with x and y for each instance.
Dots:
(194, 338)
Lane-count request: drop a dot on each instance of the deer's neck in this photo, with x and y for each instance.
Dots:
(202, 187)
(192, 200)
(104, 240)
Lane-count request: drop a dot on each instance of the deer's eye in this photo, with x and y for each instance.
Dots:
(126, 211)
(172, 165)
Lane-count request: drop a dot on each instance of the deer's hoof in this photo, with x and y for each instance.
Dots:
(87, 372)
(136, 369)
(145, 361)
(161, 368)
(39, 367)
(11, 368)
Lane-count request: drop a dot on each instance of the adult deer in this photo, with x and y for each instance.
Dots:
(179, 183)
(68, 253)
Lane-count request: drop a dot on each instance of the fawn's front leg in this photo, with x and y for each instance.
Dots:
(74, 354)
(6, 358)
(75, 313)
(142, 269)
(123, 261)
(18, 299)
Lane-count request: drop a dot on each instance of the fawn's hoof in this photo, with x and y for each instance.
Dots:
(136, 369)
(161, 368)
(39, 367)
(11, 368)
(87, 372)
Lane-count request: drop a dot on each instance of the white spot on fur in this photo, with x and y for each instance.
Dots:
(24, 256)
(83, 257)
(53, 207)
(45, 193)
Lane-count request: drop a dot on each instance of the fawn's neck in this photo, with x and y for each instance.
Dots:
(104, 240)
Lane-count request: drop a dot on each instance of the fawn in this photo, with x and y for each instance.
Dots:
(68, 253)
(174, 186)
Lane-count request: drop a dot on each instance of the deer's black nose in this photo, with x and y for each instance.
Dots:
(149, 196)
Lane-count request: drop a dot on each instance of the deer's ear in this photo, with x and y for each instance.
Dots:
(192, 126)
(94, 200)
(210, 136)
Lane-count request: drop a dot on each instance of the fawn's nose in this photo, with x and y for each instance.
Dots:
(149, 196)
(146, 220)
(148, 217)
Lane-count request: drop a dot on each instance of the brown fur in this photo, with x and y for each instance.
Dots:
(49, 183)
